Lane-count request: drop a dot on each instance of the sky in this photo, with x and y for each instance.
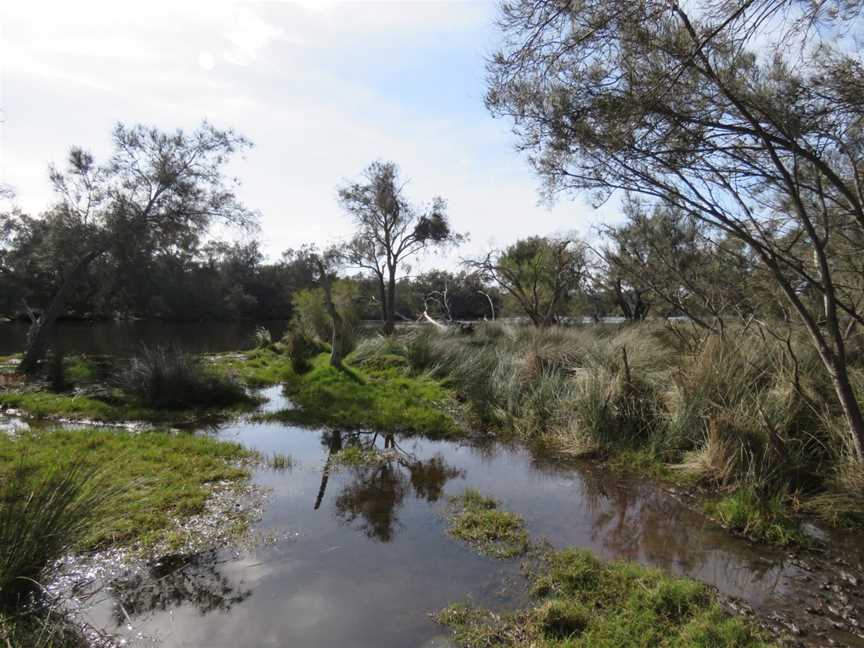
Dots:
(321, 88)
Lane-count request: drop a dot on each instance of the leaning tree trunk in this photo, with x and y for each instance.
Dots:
(40, 331)
(390, 321)
(336, 342)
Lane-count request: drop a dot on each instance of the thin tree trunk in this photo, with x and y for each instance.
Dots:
(383, 293)
(390, 321)
(848, 402)
(336, 342)
(40, 331)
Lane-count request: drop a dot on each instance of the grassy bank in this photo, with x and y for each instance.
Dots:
(153, 478)
(381, 397)
(65, 491)
(748, 419)
(158, 386)
(581, 601)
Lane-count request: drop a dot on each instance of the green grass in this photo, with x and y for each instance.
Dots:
(761, 518)
(581, 602)
(40, 628)
(387, 400)
(157, 477)
(257, 368)
(45, 404)
(476, 519)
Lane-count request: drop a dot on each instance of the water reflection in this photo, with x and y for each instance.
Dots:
(173, 581)
(375, 492)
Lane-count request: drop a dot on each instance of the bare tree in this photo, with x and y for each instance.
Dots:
(157, 186)
(390, 230)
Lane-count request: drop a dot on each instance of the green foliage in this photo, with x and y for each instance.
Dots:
(262, 338)
(163, 377)
(583, 602)
(301, 348)
(40, 627)
(763, 518)
(257, 368)
(475, 519)
(311, 318)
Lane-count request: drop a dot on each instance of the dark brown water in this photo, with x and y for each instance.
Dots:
(121, 338)
(361, 555)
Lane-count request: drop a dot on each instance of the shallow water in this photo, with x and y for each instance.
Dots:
(360, 556)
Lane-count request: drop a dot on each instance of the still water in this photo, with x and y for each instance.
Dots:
(361, 556)
(122, 338)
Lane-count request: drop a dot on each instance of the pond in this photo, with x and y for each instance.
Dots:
(123, 338)
(359, 556)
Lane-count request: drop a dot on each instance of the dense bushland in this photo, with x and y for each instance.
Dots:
(744, 414)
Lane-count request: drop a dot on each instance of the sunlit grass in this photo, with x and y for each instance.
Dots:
(477, 520)
(156, 477)
(362, 398)
(581, 602)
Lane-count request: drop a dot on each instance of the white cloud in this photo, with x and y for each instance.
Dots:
(322, 90)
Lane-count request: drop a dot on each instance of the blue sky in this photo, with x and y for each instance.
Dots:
(322, 89)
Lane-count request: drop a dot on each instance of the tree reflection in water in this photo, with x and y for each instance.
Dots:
(173, 581)
(376, 491)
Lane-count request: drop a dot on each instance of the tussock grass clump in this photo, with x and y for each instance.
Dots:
(741, 411)
(43, 514)
(164, 377)
(476, 519)
(301, 348)
(280, 462)
(583, 602)
(759, 517)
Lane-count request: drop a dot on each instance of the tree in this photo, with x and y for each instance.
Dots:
(338, 307)
(667, 256)
(541, 274)
(389, 230)
(691, 107)
(156, 189)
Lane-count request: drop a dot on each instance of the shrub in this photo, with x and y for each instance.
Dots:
(301, 348)
(262, 337)
(42, 517)
(167, 377)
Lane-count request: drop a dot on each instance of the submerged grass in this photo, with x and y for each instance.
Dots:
(477, 520)
(583, 602)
